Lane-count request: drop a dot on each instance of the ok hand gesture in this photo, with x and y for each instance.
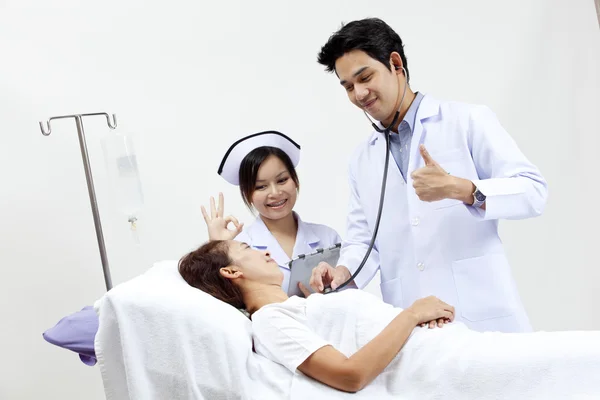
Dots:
(217, 225)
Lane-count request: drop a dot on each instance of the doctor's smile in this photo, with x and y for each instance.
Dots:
(369, 104)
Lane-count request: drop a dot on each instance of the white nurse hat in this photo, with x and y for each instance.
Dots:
(230, 165)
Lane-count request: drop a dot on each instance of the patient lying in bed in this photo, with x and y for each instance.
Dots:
(352, 339)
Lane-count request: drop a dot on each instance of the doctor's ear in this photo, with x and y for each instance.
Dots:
(396, 61)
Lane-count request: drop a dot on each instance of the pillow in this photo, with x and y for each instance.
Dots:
(161, 338)
(76, 332)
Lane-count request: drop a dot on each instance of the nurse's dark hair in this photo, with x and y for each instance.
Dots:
(371, 35)
(201, 269)
(252, 162)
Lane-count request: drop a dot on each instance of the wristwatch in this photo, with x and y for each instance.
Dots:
(478, 198)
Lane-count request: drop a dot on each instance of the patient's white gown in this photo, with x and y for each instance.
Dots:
(446, 363)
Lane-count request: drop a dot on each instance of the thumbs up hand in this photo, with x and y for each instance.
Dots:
(429, 161)
(432, 182)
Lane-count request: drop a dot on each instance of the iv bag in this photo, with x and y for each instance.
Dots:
(122, 168)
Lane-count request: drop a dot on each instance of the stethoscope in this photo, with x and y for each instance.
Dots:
(386, 133)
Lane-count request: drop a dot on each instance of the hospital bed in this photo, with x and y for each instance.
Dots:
(159, 338)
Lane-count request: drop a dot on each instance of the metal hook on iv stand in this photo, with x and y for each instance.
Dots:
(46, 130)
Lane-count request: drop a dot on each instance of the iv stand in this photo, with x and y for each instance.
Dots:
(90, 183)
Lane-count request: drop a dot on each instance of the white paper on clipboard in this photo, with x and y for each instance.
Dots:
(301, 267)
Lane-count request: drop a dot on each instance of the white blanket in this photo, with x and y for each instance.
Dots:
(454, 362)
(541, 366)
(161, 339)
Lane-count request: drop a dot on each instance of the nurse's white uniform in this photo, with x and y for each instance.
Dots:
(309, 238)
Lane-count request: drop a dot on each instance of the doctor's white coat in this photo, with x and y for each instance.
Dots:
(445, 248)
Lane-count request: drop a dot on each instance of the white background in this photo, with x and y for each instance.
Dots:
(189, 78)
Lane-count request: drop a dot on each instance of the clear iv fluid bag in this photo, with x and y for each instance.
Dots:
(123, 174)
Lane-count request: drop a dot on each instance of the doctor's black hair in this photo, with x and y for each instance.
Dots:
(371, 35)
(252, 162)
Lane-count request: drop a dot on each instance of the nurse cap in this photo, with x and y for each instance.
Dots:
(230, 165)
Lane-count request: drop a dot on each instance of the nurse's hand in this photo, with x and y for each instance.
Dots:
(305, 291)
(325, 275)
(217, 225)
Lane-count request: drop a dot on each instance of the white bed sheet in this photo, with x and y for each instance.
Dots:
(161, 339)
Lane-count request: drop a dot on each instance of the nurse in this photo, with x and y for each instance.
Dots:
(263, 165)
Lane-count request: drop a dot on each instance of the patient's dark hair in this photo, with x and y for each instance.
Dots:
(252, 162)
(201, 269)
(371, 35)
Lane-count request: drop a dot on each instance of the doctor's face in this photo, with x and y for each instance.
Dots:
(275, 191)
(370, 85)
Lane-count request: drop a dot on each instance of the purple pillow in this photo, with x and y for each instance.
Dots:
(76, 332)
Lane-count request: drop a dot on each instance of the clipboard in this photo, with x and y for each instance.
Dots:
(301, 267)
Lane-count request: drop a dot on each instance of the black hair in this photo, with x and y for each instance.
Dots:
(371, 35)
(252, 162)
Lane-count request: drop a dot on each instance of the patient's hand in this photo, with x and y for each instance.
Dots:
(431, 311)
(217, 225)
(439, 323)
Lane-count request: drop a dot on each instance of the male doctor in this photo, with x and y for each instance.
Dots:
(455, 172)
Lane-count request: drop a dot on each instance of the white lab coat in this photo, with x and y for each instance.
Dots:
(309, 238)
(445, 248)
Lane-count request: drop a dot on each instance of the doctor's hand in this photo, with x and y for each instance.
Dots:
(432, 182)
(217, 225)
(325, 275)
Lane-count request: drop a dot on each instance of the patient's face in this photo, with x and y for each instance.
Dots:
(275, 192)
(255, 265)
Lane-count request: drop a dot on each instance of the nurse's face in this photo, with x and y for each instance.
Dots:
(275, 192)
(370, 85)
